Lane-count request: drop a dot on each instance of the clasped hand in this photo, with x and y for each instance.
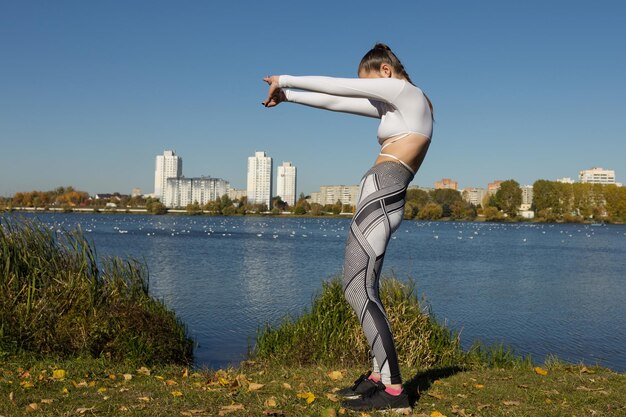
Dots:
(275, 94)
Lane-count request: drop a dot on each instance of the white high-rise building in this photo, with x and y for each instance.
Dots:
(597, 175)
(286, 183)
(168, 165)
(259, 188)
(474, 195)
(527, 197)
(182, 191)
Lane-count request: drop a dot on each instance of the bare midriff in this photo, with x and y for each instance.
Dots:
(411, 150)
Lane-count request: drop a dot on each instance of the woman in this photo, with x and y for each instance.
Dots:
(385, 91)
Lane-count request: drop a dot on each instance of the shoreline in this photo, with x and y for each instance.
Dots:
(178, 212)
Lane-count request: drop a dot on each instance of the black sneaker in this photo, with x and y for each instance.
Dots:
(361, 386)
(379, 400)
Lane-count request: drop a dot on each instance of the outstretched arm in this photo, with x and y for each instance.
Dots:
(347, 104)
(380, 89)
(360, 106)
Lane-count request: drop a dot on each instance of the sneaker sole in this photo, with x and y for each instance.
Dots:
(405, 410)
(350, 397)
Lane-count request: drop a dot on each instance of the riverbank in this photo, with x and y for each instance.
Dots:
(286, 214)
(98, 387)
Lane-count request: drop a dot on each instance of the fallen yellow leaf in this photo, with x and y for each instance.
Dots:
(270, 402)
(65, 391)
(332, 397)
(253, 386)
(30, 408)
(191, 413)
(177, 393)
(437, 414)
(459, 411)
(329, 412)
(171, 382)
(335, 375)
(143, 370)
(230, 409)
(185, 373)
(286, 385)
(84, 410)
(436, 394)
(510, 403)
(128, 377)
(308, 396)
(479, 386)
(112, 377)
(541, 371)
(102, 390)
(144, 399)
(26, 384)
(58, 374)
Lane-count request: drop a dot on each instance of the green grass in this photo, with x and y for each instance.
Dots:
(106, 388)
(329, 333)
(57, 298)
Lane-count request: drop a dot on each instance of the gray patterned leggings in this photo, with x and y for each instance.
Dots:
(379, 212)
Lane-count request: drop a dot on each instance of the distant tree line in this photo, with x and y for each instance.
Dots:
(555, 201)
(552, 202)
(69, 197)
(227, 207)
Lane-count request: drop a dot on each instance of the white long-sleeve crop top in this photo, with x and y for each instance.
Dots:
(401, 107)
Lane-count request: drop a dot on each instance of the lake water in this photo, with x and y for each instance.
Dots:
(540, 288)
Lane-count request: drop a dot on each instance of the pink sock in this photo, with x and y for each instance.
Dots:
(392, 391)
(373, 378)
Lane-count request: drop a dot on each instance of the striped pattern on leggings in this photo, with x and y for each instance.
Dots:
(379, 212)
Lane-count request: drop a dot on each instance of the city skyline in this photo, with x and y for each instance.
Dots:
(169, 164)
(519, 90)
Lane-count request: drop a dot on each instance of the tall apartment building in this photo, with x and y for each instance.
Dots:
(474, 195)
(168, 165)
(182, 191)
(493, 187)
(236, 194)
(446, 183)
(286, 183)
(259, 189)
(597, 175)
(527, 197)
(329, 194)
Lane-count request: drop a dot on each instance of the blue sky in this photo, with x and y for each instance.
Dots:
(91, 92)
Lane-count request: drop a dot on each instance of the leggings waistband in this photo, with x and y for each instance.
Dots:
(394, 169)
